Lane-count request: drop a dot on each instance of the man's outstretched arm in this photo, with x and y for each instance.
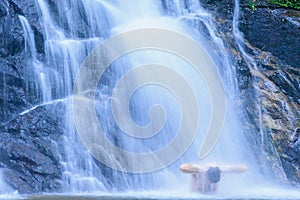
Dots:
(192, 169)
(233, 168)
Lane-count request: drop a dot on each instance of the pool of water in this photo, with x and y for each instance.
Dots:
(251, 193)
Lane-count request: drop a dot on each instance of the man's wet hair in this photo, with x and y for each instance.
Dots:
(213, 174)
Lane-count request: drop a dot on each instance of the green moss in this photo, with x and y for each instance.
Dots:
(253, 4)
(295, 4)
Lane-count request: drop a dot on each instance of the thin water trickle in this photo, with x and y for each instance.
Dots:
(251, 64)
(43, 90)
(274, 168)
(28, 36)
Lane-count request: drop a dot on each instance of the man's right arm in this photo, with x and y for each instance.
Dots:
(233, 168)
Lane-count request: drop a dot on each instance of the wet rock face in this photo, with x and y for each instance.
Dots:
(12, 41)
(274, 31)
(269, 93)
(30, 148)
(274, 40)
(11, 31)
(222, 8)
(17, 84)
(279, 106)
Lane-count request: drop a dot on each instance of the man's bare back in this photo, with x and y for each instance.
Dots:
(206, 178)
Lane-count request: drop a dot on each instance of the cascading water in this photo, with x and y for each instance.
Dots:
(5, 189)
(37, 66)
(276, 169)
(79, 26)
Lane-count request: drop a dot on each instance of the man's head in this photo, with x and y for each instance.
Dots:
(213, 174)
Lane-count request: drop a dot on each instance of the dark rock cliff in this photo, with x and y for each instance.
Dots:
(30, 148)
(270, 89)
(17, 81)
(277, 81)
(29, 143)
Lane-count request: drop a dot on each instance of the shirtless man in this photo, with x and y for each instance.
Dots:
(206, 178)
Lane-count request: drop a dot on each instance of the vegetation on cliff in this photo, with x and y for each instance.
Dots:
(292, 4)
(295, 4)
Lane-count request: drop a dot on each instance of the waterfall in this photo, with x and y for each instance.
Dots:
(37, 65)
(78, 27)
(74, 29)
(147, 85)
